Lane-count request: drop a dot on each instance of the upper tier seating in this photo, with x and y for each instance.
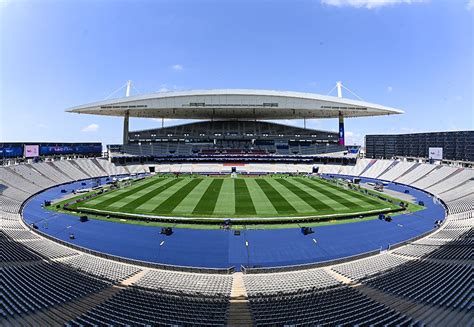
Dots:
(137, 169)
(54, 174)
(49, 249)
(464, 189)
(187, 283)
(417, 173)
(33, 176)
(102, 268)
(376, 169)
(15, 185)
(369, 267)
(110, 168)
(452, 182)
(445, 252)
(397, 170)
(434, 177)
(90, 167)
(69, 169)
(461, 205)
(288, 282)
(9, 205)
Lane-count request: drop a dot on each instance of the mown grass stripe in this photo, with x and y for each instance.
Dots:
(277, 200)
(297, 203)
(112, 193)
(208, 201)
(331, 193)
(305, 196)
(243, 201)
(138, 202)
(136, 195)
(151, 205)
(131, 191)
(225, 204)
(262, 205)
(329, 201)
(175, 199)
(191, 200)
(354, 194)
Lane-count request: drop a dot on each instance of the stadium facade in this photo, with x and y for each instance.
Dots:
(233, 120)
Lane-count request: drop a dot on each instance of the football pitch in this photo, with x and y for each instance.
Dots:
(225, 197)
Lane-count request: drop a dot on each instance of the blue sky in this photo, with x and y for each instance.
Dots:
(407, 54)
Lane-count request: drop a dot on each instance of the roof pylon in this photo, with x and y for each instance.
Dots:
(129, 86)
(339, 89)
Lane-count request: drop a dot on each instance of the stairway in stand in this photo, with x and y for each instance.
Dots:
(239, 312)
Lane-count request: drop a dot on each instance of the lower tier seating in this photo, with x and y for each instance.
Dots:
(339, 306)
(27, 288)
(138, 307)
(448, 285)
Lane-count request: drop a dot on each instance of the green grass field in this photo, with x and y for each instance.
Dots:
(258, 197)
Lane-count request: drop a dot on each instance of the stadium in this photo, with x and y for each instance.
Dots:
(236, 219)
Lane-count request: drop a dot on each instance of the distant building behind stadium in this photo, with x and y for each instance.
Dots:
(457, 146)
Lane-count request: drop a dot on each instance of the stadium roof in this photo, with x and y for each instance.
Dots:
(234, 104)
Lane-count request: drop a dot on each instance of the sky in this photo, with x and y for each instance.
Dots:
(412, 55)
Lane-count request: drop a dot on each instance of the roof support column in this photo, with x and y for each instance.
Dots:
(342, 140)
(126, 118)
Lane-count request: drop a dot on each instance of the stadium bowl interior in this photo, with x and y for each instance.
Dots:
(177, 266)
(119, 274)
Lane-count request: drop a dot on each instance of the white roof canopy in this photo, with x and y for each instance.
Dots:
(234, 104)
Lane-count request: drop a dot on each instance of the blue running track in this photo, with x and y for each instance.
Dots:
(220, 248)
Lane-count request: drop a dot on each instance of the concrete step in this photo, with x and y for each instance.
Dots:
(239, 311)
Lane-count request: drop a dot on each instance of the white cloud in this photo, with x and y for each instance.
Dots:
(470, 5)
(369, 4)
(408, 129)
(177, 67)
(389, 89)
(90, 128)
(354, 138)
(167, 88)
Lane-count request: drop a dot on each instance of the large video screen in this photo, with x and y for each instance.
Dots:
(56, 149)
(31, 151)
(46, 150)
(89, 148)
(435, 153)
(11, 151)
